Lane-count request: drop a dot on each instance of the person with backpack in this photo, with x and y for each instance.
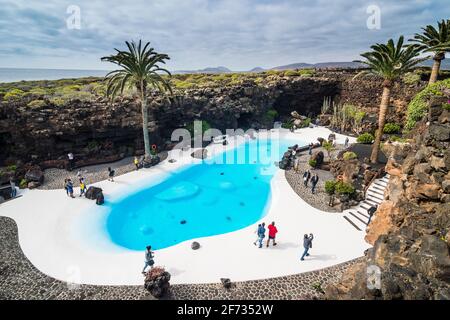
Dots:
(307, 244)
(261, 234)
(149, 262)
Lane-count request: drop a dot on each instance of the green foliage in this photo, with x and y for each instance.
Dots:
(36, 104)
(446, 106)
(391, 128)
(271, 114)
(14, 94)
(398, 139)
(411, 78)
(312, 163)
(288, 125)
(350, 155)
(418, 106)
(328, 146)
(291, 73)
(23, 184)
(330, 187)
(318, 287)
(344, 188)
(306, 122)
(205, 126)
(365, 138)
(11, 168)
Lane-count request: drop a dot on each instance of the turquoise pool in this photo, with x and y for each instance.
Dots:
(206, 199)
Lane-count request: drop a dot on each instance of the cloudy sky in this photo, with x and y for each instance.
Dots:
(238, 34)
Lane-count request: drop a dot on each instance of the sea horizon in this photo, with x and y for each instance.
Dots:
(8, 75)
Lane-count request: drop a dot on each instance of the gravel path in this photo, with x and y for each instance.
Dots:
(320, 199)
(54, 178)
(19, 279)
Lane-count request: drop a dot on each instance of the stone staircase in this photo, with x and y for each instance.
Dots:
(358, 216)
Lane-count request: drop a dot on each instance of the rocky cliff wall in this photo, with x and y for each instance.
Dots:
(97, 131)
(411, 230)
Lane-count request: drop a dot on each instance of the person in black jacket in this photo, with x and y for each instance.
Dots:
(306, 177)
(371, 212)
(314, 181)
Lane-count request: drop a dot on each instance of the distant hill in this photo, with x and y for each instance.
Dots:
(445, 64)
(303, 65)
(257, 69)
(206, 70)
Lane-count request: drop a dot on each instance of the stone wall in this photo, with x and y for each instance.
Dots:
(411, 230)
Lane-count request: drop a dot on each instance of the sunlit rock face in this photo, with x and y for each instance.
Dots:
(410, 231)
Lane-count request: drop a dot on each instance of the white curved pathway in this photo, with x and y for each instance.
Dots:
(60, 235)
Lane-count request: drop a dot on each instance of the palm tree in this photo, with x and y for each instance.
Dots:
(140, 68)
(389, 61)
(436, 41)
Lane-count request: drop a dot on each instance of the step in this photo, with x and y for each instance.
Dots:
(354, 215)
(378, 187)
(376, 191)
(374, 199)
(351, 222)
(371, 202)
(380, 184)
(365, 215)
(374, 194)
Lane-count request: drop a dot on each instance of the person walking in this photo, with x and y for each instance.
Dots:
(261, 234)
(111, 174)
(65, 187)
(314, 181)
(371, 212)
(70, 188)
(149, 262)
(310, 147)
(306, 177)
(307, 244)
(82, 187)
(136, 163)
(346, 142)
(272, 234)
(71, 162)
(296, 164)
(13, 188)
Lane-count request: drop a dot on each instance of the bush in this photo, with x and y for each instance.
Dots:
(344, 188)
(350, 155)
(306, 122)
(391, 128)
(312, 163)
(11, 168)
(36, 104)
(446, 106)
(23, 184)
(365, 138)
(411, 78)
(14, 94)
(271, 114)
(417, 108)
(288, 125)
(291, 73)
(398, 139)
(330, 187)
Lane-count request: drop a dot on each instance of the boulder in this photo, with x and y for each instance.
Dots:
(200, 154)
(195, 245)
(35, 174)
(33, 185)
(318, 156)
(226, 283)
(157, 282)
(93, 192)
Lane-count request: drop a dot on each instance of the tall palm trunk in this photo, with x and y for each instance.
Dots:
(144, 108)
(435, 70)
(381, 121)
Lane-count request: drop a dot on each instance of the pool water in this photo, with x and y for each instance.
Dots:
(205, 199)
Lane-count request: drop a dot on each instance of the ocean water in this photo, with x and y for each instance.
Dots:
(201, 200)
(17, 74)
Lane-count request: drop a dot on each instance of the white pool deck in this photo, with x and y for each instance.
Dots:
(59, 235)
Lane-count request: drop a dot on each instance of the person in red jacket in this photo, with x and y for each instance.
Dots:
(272, 233)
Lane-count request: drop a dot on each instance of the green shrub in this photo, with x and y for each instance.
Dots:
(350, 156)
(271, 114)
(14, 94)
(306, 72)
(446, 106)
(418, 106)
(365, 138)
(306, 122)
(330, 187)
(23, 184)
(312, 163)
(36, 104)
(287, 125)
(391, 128)
(11, 168)
(411, 78)
(398, 139)
(344, 188)
(292, 73)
